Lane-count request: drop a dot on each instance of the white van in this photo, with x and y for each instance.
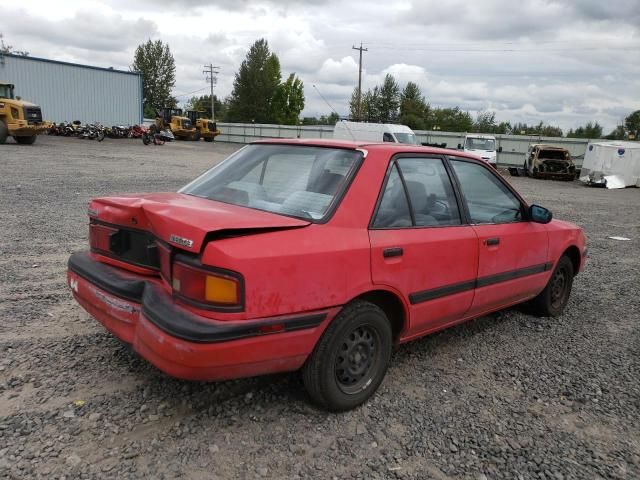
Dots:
(374, 132)
(482, 145)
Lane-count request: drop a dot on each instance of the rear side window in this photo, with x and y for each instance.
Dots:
(418, 193)
(393, 211)
(487, 198)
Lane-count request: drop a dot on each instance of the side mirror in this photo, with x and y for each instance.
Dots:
(539, 214)
(459, 146)
(499, 149)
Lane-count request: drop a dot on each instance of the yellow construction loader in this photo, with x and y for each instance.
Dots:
(180, 126)
(19, 119)
(205, 127)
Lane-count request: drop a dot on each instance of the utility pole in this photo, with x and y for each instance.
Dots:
(211, 72)
(360, 78)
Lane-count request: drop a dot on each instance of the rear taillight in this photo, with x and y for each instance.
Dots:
(100, 237)
(207, 287)
(164, 258)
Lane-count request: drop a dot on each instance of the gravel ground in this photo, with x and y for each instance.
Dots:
(505, 396)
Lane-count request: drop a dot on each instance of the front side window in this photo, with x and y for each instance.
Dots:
(291, 180)
(487, 198)
(424, 199)
(387, 137)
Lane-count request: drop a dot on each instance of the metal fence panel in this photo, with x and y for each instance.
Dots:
(514, 147)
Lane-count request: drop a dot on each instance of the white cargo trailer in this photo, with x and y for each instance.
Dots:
(612, 164)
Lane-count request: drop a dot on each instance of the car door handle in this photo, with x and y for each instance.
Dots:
(392, 252)
(492, 241)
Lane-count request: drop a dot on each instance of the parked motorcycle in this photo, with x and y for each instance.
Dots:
(157, 136)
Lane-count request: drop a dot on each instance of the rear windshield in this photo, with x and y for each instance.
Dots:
(297, 181)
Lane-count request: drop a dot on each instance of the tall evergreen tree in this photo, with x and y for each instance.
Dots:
(255, 86)
(413, 107)
(155, 61)
(388, 100)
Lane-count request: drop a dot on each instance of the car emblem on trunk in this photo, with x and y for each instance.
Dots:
(185, 242)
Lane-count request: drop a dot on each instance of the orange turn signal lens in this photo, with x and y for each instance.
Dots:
(221, 290)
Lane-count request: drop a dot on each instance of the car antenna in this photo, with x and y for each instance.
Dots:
(334, 111)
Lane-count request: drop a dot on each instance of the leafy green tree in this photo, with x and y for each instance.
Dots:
(413, 107)
(255, 86)
(203, 104)
(330, 119)
(590, 130)
(155, 61)
(6, 48)
(485, 122)
(288, 101)
(632, 124)
(618, 133)
(449, 120)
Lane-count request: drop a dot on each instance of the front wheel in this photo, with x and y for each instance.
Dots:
(26, 140)
(351, 358)
(100, 136)
(4, 132)
(525, 167)
(555, 296)
(146, 138)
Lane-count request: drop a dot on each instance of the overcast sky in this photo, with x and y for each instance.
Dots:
(563, 62)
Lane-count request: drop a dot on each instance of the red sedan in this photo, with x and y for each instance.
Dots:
(318, 255)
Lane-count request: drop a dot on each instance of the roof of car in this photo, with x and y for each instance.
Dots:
(386, 146)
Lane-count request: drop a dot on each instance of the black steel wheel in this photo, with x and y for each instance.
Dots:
(351, 358)
(555, 296)
(4, 132)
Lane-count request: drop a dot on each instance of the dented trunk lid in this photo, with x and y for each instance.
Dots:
(184, 221)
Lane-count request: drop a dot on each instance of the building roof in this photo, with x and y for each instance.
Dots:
(58, 62)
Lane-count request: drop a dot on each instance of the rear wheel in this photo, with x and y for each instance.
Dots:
(196, 136)
(26, 140)
(4, 132)
(555, 296)
(208, 139)
(350, 359)
(526, 169)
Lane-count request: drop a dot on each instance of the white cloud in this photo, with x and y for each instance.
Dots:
(565, 63)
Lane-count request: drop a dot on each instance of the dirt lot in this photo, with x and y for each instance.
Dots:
(506, 396)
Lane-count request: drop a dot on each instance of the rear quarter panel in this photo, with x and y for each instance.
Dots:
(308, 268)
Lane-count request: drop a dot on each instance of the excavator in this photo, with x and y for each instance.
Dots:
(19, 119)
(205, 127)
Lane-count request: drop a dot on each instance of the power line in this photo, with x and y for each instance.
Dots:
(360, 49)
(190, 93)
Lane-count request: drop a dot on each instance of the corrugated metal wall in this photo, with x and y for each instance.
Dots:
(68, 92)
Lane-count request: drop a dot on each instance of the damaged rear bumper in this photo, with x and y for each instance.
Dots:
(139, 311)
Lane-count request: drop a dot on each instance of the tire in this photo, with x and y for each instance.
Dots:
(553, 299)
(526, 169)
(146, 138)
(207, 139)
(100, 136)
(196, 136)
(26, 140)
(341, 381)
(4, 132)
